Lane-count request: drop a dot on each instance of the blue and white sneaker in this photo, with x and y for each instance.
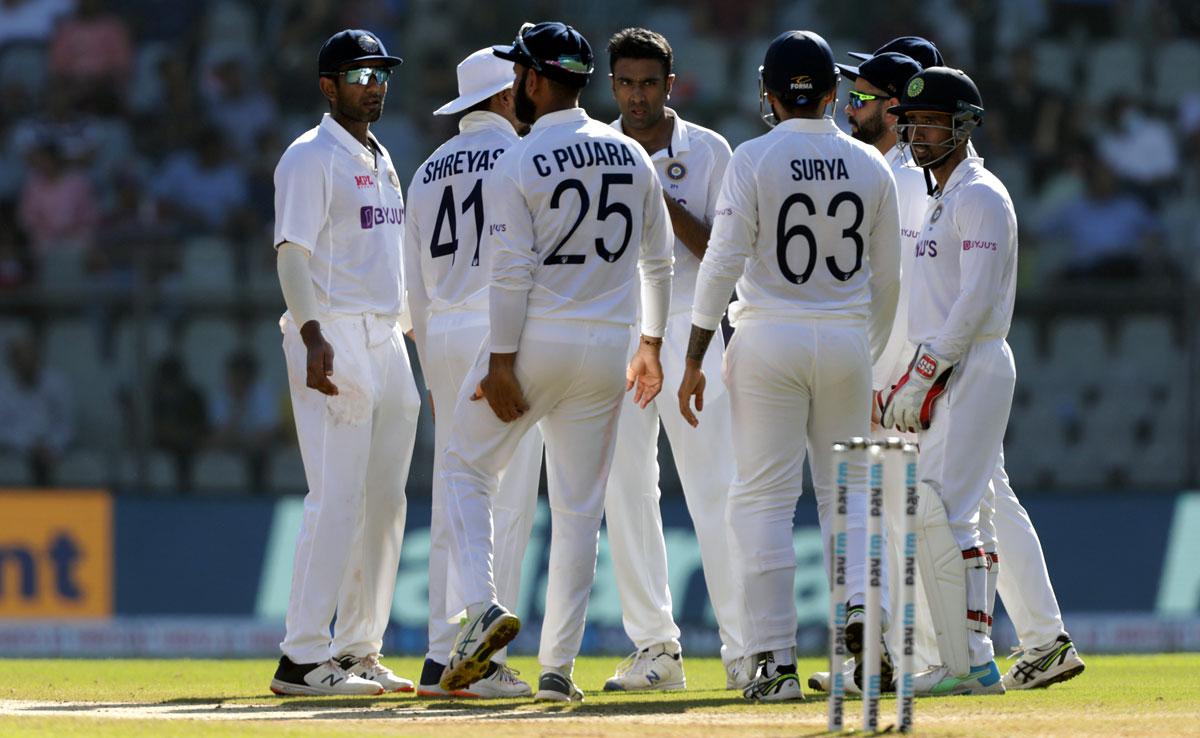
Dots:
(478, 638)
(657, 667)
(939, 682)
(555, 685)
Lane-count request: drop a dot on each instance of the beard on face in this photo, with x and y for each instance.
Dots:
(523, 106)
(360, 112)
(868, 130)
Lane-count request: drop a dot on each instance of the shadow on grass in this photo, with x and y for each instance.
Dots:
(400, 707)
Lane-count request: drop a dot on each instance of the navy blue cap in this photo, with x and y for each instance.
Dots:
(887, 71)
(943, 90)
(920, 49)
(553, 49)
(799, 67)
(352, 45)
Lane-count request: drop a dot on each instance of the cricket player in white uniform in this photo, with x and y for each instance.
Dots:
(875, 85)
(690, 162)
(577, 207)
(1048, 654)
(806, 225)
(338, 229)
(447, 272)
(958, 390)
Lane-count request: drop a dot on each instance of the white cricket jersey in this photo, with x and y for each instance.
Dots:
(806, 224)
(573, 209)
(965, 268)
(445, 264)
(341, 201)
(690, 170)
(913, 197)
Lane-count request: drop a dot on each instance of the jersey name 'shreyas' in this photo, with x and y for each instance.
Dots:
(807, 224)
(690, 170)
(443, 237)
(342, 202)
(573, 209)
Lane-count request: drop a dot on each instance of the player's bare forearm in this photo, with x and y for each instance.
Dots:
(698, 343)
(688, 228)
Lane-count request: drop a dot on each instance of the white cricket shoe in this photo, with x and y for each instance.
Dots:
(555, 685)
(773, 682)
(939, 682)
(502, 683)
(740, 672)
(1040, 667)
(819, 680)
(658, 667)
(478, 638)
(320, 678)
(369, 668)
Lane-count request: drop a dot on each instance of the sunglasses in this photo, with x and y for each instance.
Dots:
(859, 99)
(362, 76)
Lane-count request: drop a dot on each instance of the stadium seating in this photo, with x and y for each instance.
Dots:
(1114, 68)
(1176, 71)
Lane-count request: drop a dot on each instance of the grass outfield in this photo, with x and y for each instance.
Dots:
(1117, 695)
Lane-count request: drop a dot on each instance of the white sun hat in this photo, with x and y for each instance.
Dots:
(480, 76)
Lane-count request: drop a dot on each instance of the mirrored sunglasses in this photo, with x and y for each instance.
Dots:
(362, 76)
(859, 99)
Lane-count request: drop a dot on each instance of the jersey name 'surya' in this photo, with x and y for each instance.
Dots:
(461, 162)
(585, 154)
(823, 169)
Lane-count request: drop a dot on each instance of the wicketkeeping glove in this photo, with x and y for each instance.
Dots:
(910, 406)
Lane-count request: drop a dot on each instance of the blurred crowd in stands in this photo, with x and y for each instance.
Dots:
(138, 140)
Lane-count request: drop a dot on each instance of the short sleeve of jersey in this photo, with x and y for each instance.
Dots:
(301, 197)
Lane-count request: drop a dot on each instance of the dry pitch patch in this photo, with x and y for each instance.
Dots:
(1126, 695)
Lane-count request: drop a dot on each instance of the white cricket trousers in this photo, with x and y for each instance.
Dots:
(704, 460)
(572, 373)
(356, 449)
(451, 347)
(794, 385)
(959, 455)
(1024, 581)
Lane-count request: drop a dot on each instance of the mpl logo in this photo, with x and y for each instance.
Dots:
(369, 216)
(364, 181)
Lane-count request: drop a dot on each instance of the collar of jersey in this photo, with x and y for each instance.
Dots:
(808, 125)
(348, 142)
(482, 119)
(558, 117)
(680, 141)
(965, 168)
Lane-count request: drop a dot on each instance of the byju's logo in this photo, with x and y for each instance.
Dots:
(369, 217)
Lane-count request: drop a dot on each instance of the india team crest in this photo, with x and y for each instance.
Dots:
(676, 171)
(368, 44)
(916, 86)
(937, 213)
